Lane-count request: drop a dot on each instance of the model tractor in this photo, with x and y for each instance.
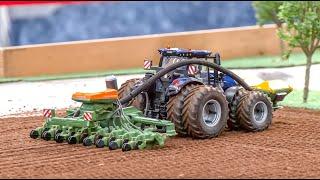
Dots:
(101, 120)
(189, 94)
(191, 89)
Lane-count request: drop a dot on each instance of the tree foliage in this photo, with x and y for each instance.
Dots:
(266, 11)
(302, 29)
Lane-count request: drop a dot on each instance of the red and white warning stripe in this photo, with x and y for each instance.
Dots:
(147, 64)
(87, 116)
(192, 69)
(47, 113)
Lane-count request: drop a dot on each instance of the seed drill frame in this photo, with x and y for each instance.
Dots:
(102, 121)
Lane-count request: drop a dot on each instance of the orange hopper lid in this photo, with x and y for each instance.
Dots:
(107, 94)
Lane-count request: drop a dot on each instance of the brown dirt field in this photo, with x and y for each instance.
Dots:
(290, 148)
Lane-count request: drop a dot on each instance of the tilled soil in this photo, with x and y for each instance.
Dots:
(290, 148)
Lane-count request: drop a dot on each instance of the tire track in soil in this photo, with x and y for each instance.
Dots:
(289, 148)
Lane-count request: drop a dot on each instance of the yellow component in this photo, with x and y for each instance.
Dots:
(273, 86)
(264, 86)
(107, 94)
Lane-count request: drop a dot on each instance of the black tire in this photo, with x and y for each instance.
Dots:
(34, 134)
(234, 121)
(87, 142)
(46, 136)
(42, 134)
(99, 143)
(58, 138)
(82, 137)
(175, 107)
(96, 138)
(139, 101)
(194, 108)
(255, 112)
(57, 132)
(72, 140)
(113, 145)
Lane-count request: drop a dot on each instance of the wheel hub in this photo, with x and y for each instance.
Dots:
(211, 113)
(260, 112)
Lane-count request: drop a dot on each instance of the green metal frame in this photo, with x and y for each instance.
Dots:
(111, 126)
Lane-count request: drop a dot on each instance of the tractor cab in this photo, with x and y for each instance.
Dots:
(170, 56)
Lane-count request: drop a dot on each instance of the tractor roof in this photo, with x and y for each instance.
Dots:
(184, 52)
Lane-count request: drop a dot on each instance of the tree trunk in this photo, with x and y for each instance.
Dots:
(307, 77)
(282, 47)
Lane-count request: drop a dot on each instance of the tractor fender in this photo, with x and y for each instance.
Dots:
(176, 85)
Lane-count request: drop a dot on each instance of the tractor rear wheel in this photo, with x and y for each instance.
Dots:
(139, 101)
(233, 121)
(255, 112)
(175, 107)
(205, 112)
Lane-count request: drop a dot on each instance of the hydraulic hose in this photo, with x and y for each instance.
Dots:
(174, 66)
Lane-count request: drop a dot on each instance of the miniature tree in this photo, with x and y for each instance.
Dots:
(266, 11)
(302, 30)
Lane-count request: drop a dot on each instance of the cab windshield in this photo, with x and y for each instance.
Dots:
(169, 60)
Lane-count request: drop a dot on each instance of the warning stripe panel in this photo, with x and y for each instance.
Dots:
(47, 113)
(192, 69)
(87, 116)
(147, 64)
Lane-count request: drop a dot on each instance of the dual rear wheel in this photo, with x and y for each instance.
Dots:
(250, 110)
(202, 111)
(198, 111)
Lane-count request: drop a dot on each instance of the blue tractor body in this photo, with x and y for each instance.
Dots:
(172, 83)
(192, 89)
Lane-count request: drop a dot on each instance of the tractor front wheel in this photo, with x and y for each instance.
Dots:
(206, 112)
(126, 88)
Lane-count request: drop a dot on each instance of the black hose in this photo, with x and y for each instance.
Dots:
(174, 66)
